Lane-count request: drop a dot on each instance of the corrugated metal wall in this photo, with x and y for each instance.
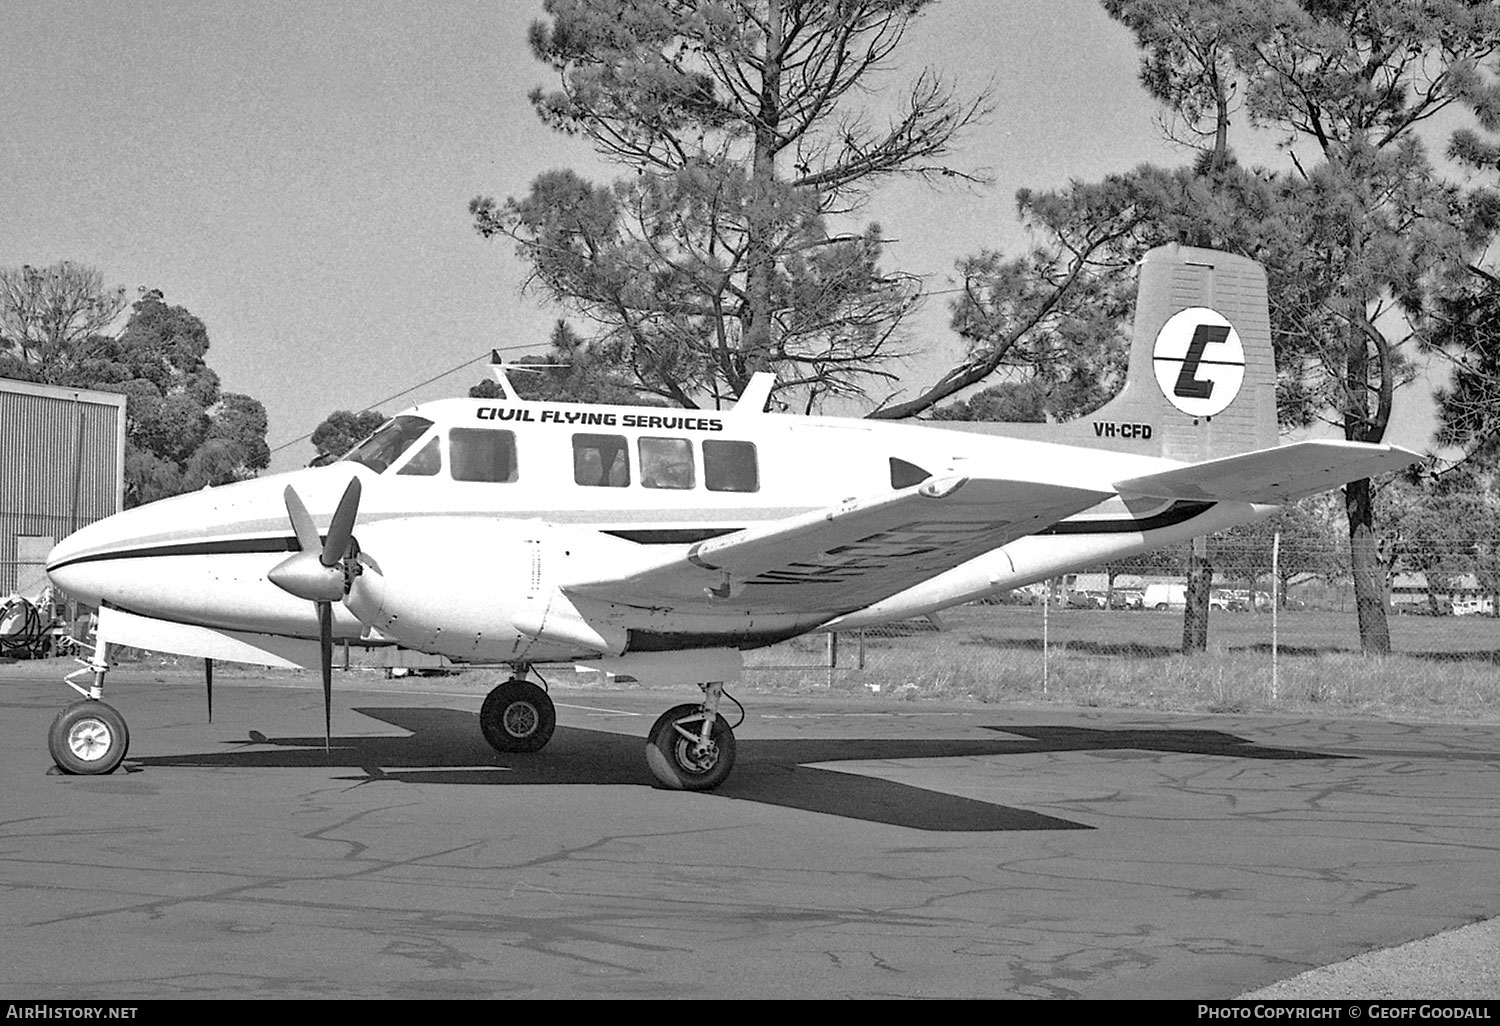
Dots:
(61, 453)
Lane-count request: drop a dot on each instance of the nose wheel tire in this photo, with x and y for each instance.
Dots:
(88, 738)
(677, 758)
(517, 717)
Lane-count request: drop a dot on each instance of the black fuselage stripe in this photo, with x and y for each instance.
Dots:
(1176, 514)
(220, 547)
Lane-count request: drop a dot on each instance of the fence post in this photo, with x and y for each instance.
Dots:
(833, 655)
(1275, 610)
(1046, 611)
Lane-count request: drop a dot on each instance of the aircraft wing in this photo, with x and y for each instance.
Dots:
(845, 557)
(1283, 474)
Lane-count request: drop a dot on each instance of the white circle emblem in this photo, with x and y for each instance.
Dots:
(1199, 361)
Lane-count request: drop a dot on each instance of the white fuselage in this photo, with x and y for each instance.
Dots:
(477, 569)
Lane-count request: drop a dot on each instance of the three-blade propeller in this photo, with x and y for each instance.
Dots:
(320, 573)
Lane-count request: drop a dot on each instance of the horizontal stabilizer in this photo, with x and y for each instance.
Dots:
(1273, 476)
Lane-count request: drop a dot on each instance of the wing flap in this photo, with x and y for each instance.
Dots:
(848, 555)
(1283, 474)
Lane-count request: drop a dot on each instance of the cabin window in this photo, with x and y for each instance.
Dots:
(666, 463)
(904, 474)
(730, 467)
(601, 461)
(387, 444)
(479, 454)
(427, 461)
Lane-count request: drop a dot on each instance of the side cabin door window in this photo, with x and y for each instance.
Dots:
(482, 454)
(666, 463)
(601, 461)
(730, 466)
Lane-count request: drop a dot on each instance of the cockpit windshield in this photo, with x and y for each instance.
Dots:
(386, 445)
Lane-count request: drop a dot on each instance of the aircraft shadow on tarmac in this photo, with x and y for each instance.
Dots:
(444, 747)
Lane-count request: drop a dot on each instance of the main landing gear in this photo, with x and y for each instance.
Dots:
(690, 747)
(89, 737)
(517, 717)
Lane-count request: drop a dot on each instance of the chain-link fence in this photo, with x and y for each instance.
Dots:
(1115, 635)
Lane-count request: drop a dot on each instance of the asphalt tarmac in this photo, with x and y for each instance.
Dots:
(864, 847)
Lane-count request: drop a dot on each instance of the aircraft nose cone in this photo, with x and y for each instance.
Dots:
(76, 564)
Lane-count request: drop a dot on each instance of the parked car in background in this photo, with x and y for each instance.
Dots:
(1085, 600)
(1425, 607)
(1164, 596)
(1126, 598)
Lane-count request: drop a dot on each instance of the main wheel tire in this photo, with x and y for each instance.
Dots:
(517, 717)
(673, 755)
(88, 738)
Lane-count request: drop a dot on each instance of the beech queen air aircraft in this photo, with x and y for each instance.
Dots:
(663, 543)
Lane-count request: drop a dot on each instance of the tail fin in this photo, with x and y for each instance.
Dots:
(1201, 382)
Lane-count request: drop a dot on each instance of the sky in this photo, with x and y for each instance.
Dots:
(297, 174)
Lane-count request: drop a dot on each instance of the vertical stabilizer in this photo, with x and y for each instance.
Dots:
(1202, 376)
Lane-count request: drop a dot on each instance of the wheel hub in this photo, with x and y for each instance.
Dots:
(697, 757)
(89, 739)
(520, 719)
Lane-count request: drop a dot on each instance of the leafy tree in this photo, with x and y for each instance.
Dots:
(1356, 243)
(1440, 527)
(1056, 317)
(727, 249)
(181, 432)
(1365, 234)
(341, 431)
(574, 371)
(1012, 401)
(49, 317)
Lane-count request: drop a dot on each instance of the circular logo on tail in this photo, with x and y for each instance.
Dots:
(1199, 361)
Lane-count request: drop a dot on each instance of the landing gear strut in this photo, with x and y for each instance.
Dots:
(89, 737)
(691, 747)
(517, 717)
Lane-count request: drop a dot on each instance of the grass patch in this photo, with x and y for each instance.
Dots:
(1125, 660)
(1445, 669)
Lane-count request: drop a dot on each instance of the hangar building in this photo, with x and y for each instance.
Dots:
(62, 465)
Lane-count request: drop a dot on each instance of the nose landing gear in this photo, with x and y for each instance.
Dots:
(89, 737)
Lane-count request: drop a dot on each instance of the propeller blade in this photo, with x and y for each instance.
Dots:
(342, 525)
(208, 680)
(302, 522)
(325, 663)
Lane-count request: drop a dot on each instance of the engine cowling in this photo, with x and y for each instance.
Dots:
(478, 589)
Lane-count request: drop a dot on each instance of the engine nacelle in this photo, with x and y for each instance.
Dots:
(478, 589)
